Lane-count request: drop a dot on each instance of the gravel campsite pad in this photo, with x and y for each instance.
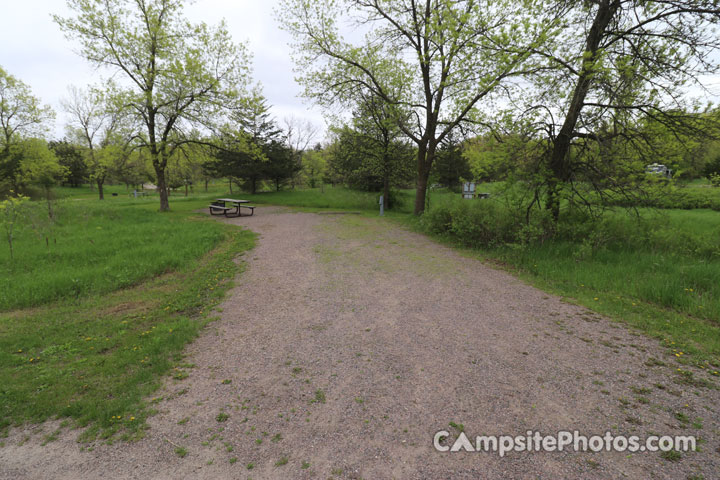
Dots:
(349, 342)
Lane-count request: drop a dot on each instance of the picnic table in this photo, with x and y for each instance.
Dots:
(220, 207)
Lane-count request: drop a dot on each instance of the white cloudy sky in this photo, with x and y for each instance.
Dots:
(33, 49)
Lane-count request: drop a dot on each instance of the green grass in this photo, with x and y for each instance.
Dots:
(691, 196)
(669, 288)
(97, 357)
(98, 247)
(329, 197)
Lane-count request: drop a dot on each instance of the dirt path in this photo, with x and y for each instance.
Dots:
(349, 342)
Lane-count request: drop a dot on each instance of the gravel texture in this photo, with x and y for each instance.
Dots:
(349, 341)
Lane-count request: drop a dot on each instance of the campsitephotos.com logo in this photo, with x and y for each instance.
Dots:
(562, 441)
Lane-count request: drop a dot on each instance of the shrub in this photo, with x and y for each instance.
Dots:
(486, 223)
(714, 179)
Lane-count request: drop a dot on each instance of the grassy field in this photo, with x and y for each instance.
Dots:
(118, 290)
(114, 302)
(96, 248)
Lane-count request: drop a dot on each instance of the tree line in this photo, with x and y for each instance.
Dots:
(580, 84)
(571, 98)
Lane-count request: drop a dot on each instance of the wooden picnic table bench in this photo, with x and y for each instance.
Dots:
(220, 205)
(250, 207)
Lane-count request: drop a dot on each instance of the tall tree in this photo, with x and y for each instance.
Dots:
(237, 156)
(40, 167)
(281, 165)
(314, 166)
(452, 166)
(97, 123)
(617, 65)
(130, 167)
(21, 115)
(270, 158)
(299, 134)
(374, 119)
(72, 157)
(434, 61)
(181, 75)
(372, 153)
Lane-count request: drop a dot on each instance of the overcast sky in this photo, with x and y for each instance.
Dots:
(33, 49)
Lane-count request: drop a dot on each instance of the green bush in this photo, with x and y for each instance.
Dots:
(486, 223)
(714, 179)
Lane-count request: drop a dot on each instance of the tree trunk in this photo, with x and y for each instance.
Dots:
(230, 182)
(100, 188)
(186, 189)
(425, 158)
(206, 185)
(552, 202)
(386, 183)
(420, 192)
(560, 167)
(162, 189)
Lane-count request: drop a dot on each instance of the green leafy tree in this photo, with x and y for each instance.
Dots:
(131, 167)
(72, 157)
(685, 151)
(451, 166)
(371, 153)
(434, 61)
(495, 157)
(40, 167)
(281, 165)
(616, 65)
(257, 151)
(314, 164)
(180, 75)
(238, 158)
(97, 123)
(21, 116)
(348, 162)
(381, 140)
(712, 166)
